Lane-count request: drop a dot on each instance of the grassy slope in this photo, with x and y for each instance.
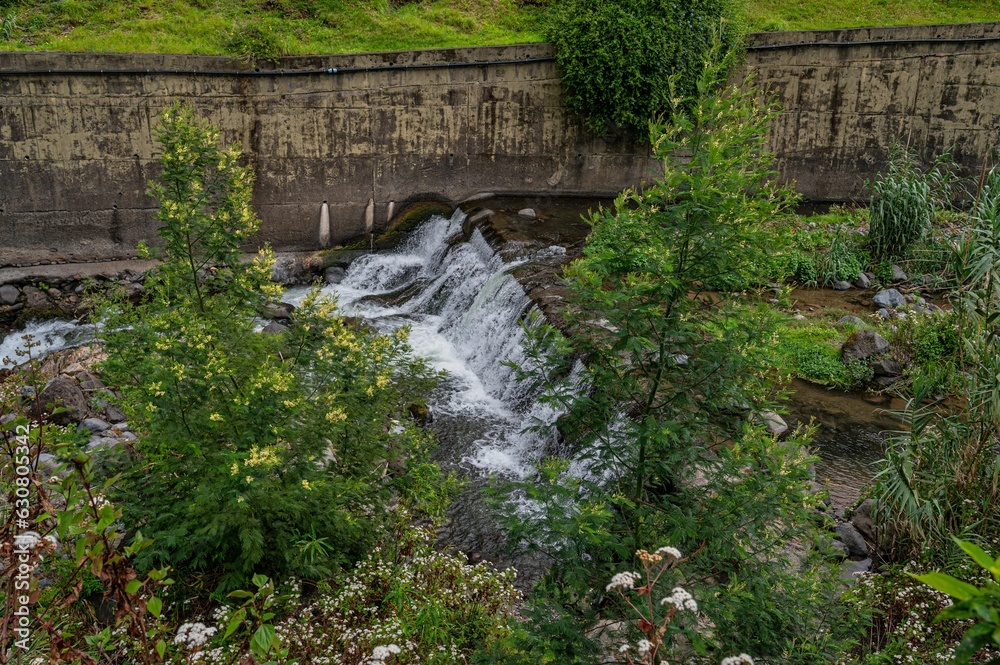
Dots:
(339, 26)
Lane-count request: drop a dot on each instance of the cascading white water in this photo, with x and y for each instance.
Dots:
(44, 337)
(464, 310)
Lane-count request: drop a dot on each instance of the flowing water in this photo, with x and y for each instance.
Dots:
(465, 310)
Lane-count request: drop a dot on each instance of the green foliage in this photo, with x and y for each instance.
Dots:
(904, 201)
(940, 477)
(256, 40)
(841, 262)
(624, 62)
(251, 444)
(8, 26)
(669, 445)
(337, 26)
(802, 268)
(811, 350)
(981, 604)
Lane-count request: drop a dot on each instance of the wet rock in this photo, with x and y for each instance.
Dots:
(886, 381)
(897, 274)
(887, 367)
(9, 294)
(850, 320)
(110, 411)
(883, 313)
(94, 425)
(840, 550)
(862, 520)
(101, 442)
(855, 569)
(527, 212)
(49, 464)
(134, 291)
(840, 285)
(280, 311)
(852, 539)
(35, 298)
(334, 275)
(888, 298)
(774, 423)
(274, 328)
(862, 282)
(863, 345)
(88, 382)
(64, 392)
(420, 413)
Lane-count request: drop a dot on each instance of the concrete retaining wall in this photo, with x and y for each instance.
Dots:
(76, 149)
(848, 94)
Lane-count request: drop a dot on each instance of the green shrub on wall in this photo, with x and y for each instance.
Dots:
(616, 56)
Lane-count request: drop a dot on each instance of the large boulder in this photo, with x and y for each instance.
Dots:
(863, 345)
(862, 521)
(64, 392)
(853, 540)
(888, 298)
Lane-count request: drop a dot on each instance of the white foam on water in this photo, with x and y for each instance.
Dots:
(44, 337)
(464, 310)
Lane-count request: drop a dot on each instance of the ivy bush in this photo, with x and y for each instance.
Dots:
(624, 62)
(274, 454)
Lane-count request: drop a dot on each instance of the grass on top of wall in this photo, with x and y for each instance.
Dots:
(293, 27)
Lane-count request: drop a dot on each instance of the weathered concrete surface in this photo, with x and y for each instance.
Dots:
(933, 87)
(76, 150)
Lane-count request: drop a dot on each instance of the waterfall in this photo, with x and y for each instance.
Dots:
(464, 310)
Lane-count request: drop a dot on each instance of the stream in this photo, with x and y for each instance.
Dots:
(464, 310)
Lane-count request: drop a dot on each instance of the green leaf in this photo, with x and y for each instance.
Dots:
(155, 606)
(262, 640)
(161, 648)
(133, 586)
(259, 580)
(948, 584)
(977, 553)
(239, 593)
(235, 621)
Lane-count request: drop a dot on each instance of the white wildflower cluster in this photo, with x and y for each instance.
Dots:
(669, 551)
(644, 647)
(625, 580)
(741, 659)
(380, 654)
(194, 635)
(680, 599)
(354, 624)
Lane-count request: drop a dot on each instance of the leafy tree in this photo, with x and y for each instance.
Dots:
(258, 453)
(618, 58)
(668, 428)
